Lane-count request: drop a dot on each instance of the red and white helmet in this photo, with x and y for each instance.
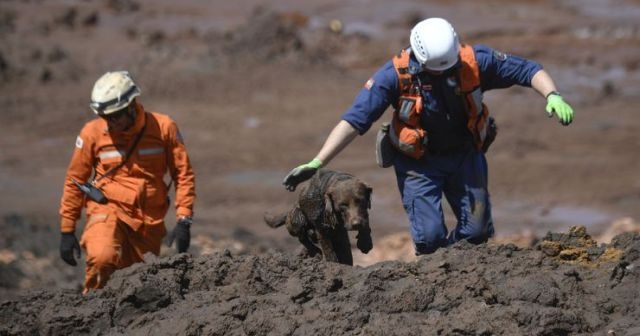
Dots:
(435, 44)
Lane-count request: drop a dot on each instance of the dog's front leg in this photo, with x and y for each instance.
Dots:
(298, 226)
(326, 246)
(342, 246)
(312, 249)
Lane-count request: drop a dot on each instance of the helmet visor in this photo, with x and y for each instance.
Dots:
(441, 67)
(118, 114)
(100, 108)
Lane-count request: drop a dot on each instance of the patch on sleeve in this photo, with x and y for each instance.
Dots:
(499, 55)
(79, 142)
(369, 84)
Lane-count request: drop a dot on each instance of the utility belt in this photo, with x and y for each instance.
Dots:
(385, 151)
(463, 148)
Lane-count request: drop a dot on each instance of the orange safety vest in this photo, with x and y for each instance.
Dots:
(407, 134)
(137, 192)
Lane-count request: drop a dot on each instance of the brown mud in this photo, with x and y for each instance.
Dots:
(462, 290)
(255, 87)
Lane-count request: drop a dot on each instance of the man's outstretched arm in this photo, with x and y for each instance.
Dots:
(341, 136)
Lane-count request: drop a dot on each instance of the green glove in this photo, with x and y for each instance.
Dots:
(556, 104)
(301, 173)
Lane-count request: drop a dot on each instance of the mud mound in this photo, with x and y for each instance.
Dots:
(270, 35)
(579, 248)
(463, 290)
(397, 246)
(267, 35)
(29, 257)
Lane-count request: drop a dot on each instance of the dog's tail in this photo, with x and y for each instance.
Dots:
(275, 221)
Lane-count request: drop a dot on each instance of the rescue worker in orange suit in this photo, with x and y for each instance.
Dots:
(121, 159)
(440, 127)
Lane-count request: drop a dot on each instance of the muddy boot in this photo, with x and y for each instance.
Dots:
(422, 248)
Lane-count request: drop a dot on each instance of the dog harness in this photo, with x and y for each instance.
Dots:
(313, 202)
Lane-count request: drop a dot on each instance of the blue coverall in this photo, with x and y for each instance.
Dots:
(452, 166)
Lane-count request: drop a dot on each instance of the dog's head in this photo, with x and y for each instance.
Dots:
(349, 199)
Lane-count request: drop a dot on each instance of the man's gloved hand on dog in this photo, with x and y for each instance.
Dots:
(301, 173)
(181, 234)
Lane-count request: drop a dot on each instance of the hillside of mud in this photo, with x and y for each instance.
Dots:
(566, 285)
(255, 87)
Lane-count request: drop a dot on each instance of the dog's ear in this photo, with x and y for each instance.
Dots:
(328, 203)
(329, 210)
(368, 190)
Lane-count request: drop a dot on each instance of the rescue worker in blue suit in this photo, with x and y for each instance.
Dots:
(453, 162)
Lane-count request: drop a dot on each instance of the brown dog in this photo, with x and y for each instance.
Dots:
(329, 206)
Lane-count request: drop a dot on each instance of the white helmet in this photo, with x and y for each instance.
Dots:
(112, 92)
(435, 44)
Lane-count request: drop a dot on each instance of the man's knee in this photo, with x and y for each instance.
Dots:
(479, 238)
(422, 248)
(476, 234)
(100, 266)
(429, 240)
(107, 258)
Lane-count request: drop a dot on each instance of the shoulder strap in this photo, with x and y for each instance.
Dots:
(469, 72)
(126, 156)
(401, 64)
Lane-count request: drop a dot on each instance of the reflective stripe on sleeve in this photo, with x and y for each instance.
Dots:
(110, 154)
(151, 151)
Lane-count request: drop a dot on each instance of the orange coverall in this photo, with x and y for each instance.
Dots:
(119, 233)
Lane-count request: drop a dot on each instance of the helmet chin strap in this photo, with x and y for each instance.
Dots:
(131, 115)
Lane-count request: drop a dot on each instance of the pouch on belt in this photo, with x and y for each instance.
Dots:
(384, 150)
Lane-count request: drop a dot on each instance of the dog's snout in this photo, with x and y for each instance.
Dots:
(357, 224)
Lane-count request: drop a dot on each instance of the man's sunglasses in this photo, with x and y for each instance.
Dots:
(117, 115)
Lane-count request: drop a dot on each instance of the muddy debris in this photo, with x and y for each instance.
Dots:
(266, 36)
(123, 6)
(250, 117)
(462, 290)
(577, 246)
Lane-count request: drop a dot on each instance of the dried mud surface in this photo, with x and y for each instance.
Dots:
(565, 286)
(255, 87)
